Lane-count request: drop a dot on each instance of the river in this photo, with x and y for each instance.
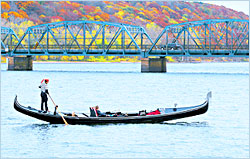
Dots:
(221, 132)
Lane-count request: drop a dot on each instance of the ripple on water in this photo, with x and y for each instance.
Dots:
(192, 124)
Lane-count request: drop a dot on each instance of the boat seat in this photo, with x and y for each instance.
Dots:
(93, 112)
(142, 113)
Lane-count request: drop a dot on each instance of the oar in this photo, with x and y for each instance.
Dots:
(63, 118)
(59, 112)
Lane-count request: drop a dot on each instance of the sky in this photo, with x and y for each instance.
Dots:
(235, 5)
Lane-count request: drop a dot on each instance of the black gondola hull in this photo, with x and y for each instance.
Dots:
(57, 119)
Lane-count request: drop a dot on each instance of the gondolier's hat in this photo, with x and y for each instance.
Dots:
(46, 80)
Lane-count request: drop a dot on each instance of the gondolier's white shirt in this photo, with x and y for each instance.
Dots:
(44, 87)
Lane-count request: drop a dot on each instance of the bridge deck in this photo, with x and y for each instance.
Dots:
(100, 52)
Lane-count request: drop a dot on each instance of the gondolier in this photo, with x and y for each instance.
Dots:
(44, 92)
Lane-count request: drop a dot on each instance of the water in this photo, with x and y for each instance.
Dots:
(222, 132)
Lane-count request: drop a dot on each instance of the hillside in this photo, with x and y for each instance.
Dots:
(146, 14)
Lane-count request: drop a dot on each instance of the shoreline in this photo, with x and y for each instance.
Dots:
(78, 62)
(75, 62)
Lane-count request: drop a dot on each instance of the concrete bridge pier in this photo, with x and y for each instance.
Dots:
(24, 63)
(153, 65)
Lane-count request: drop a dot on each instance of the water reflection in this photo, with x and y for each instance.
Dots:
(42, 132)
(192, 124)
(47, 127)
(43, 126)
(38, 129)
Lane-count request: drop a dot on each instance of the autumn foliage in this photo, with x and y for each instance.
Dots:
(160, 13)
(5, 6)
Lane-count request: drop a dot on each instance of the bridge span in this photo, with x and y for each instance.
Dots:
(205, 38)
(212, 38)
(84, 38)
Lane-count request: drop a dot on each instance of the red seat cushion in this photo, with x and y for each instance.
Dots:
(154, 112)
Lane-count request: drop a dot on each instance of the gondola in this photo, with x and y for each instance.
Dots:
(166, 114)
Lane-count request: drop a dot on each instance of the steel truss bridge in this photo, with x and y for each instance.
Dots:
(205, 38)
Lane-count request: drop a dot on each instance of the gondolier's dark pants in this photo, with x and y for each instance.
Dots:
(44, 100)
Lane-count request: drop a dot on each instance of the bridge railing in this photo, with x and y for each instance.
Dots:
(195, 47)
(145, 47)
(119, 47)
(56, 47)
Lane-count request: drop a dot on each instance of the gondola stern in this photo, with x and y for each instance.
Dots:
(209, 95)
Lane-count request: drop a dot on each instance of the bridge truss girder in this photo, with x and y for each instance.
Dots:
(8, 38)
(216, 37)
(84, 38)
